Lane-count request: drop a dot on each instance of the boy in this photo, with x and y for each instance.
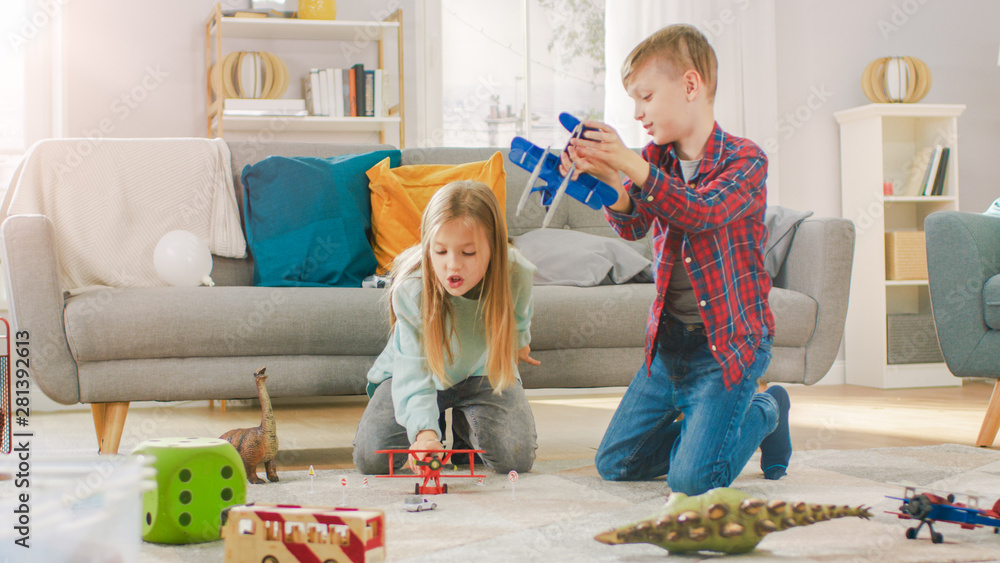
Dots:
(709, 333)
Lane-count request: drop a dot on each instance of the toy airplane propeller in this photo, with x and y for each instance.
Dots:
(545, 166)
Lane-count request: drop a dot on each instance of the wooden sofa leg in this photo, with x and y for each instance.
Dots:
(991, 422)
(98, 410)
(109, 421)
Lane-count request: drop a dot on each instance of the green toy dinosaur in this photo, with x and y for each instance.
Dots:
(722, 520)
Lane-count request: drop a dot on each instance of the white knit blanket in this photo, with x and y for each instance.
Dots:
(111, 200)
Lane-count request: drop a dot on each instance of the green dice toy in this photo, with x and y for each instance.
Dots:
(196, 478)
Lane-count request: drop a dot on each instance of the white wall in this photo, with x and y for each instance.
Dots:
(822, 49)
(137, 69)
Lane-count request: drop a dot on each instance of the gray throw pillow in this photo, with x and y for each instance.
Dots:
(565, 257)
(781, 223)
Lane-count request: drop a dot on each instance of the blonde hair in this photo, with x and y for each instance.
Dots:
(680, 47)
(474, 203)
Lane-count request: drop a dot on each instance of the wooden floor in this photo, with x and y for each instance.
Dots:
(570, 423)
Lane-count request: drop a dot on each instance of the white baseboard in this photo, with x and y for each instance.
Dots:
(836, 376)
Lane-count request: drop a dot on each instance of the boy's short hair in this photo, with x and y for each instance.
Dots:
(681, 47)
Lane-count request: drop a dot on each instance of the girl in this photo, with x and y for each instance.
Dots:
(460, 315)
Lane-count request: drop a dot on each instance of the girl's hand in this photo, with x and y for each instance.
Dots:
(524, 355)
(426, 440)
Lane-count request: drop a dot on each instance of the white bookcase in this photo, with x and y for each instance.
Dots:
(218, 27)
(879, 142)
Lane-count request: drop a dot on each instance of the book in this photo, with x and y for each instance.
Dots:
(345, 84)
(352, 92)
(241, 106)
(324, 94)
(385, 94)
(369, 93)
(379, 93)
(928, 184)
(316, 108)
(918, 172)
(337, 93)
(942, 171)
(307, 94)
(359, 89)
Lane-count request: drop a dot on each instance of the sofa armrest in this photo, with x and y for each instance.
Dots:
(963, 252)
(819, 265)
(31, 271)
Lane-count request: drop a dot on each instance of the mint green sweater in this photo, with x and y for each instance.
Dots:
(414, 387)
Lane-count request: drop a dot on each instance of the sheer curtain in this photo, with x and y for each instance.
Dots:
(743, 36)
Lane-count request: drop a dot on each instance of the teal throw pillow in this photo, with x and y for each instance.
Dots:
(308, 220)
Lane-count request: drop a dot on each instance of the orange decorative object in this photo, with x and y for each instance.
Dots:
(896, 80)
(318, 9)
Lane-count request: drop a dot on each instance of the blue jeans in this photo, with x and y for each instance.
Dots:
(501, 425)
(720, 430)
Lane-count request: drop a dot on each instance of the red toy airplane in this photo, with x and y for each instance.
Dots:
(930, 508)
(430, 468)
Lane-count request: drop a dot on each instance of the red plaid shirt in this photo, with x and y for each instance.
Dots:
(716, 224)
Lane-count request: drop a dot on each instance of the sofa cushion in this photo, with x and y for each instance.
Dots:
(178, 322)
(781, 223)
(991, 301)
(794, 317)
(308, 219)
(399, 196)
(566, 257)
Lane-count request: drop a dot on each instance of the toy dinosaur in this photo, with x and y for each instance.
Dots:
(722, 520)
(258, 444)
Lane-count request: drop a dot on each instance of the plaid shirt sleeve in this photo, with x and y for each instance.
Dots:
(715, 222)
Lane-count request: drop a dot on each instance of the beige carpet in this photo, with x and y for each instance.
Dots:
(553, 512)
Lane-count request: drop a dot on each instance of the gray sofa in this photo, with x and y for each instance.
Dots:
(110, 347)
(963, 274)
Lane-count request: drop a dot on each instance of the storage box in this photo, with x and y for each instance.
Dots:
(912, 339)
(905, 255)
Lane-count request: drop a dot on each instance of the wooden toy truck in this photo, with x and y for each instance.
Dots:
(276, 533)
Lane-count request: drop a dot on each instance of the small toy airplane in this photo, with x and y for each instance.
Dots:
(430, 468)
(930, 508)
(545, 166)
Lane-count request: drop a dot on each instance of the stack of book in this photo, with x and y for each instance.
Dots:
(929, 173)
(244, 107)
(346, 92)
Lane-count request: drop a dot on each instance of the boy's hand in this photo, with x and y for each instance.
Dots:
(426, 440)
(605, 147)
(524, 355)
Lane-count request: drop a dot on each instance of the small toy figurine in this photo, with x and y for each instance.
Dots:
(545, 166)
(722, 520)
(259, 444)
(429, 467)
(930, 508)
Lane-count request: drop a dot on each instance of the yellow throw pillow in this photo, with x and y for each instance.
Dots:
(399, 196)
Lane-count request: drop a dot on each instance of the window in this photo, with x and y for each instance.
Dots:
(512, 71)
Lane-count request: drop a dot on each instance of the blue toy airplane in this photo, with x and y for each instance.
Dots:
(929, 508)
(544, 165)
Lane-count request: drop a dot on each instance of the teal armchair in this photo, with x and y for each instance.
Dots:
(963, 267)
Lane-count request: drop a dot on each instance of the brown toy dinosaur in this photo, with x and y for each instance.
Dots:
(258, 444)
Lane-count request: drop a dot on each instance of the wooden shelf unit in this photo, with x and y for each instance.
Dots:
(879, 142)
(218, 26)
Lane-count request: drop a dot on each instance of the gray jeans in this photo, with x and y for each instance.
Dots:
(501, 425)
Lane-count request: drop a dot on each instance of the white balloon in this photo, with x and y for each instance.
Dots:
(182, 259)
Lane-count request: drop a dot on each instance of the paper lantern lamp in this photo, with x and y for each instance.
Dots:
(896, 80)
(250, 74)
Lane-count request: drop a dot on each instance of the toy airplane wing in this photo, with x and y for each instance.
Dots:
(544, 166)
(425, 466)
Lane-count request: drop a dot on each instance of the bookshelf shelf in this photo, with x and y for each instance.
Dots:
(217, 27)
(879, 143)
(307, 123)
